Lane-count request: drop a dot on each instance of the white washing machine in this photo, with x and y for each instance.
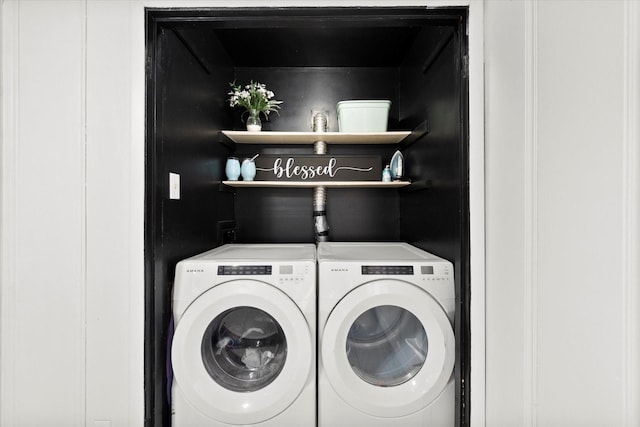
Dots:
(386, 343)
(243, 350)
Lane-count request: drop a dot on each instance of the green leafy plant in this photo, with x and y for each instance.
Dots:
(255, 98)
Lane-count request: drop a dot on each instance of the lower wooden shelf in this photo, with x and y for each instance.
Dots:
(311, 184)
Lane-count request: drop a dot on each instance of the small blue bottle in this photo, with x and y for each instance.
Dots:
(386, 174)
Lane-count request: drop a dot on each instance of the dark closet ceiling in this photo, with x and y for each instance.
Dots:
(316, 37)
(317, 46)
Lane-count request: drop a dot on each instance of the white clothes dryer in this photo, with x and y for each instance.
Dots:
(386, 343)
(243, 350)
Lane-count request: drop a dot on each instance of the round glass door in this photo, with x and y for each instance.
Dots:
(244, 349)
(386, 346)
(242, 352)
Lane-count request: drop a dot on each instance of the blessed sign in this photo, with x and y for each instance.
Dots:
(318, 168)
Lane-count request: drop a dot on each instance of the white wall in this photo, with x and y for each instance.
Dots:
(562, 161)
(561, 212)
(72, 215)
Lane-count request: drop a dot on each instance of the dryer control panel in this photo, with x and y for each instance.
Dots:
(439, 269)
(386, 270)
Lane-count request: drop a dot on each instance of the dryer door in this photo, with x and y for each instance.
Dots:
(388, 348)
(242, 352)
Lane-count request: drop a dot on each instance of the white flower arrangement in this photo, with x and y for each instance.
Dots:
(255, 98)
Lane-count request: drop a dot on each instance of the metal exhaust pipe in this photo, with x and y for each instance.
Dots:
(321, 225)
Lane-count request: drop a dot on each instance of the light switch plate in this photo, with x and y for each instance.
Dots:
(174, 186)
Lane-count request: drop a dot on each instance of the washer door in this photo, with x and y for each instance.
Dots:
(388, 348)
(242, 352)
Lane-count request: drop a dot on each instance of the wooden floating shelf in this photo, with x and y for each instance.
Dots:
(312, 184)
(273, 137)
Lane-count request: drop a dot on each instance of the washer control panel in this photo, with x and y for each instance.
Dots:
(285, 273)
(245, 270)
(288, 273)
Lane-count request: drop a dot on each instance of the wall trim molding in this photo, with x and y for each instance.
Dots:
(10, 32)
(136, 206)
(477, 208)
(530, 319)
(631, 215)
(83, 230)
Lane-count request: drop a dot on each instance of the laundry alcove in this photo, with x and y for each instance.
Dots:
(311, 58)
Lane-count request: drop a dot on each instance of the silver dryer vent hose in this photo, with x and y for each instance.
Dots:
(320, 193)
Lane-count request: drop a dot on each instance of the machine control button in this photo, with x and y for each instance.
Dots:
(387, 270)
